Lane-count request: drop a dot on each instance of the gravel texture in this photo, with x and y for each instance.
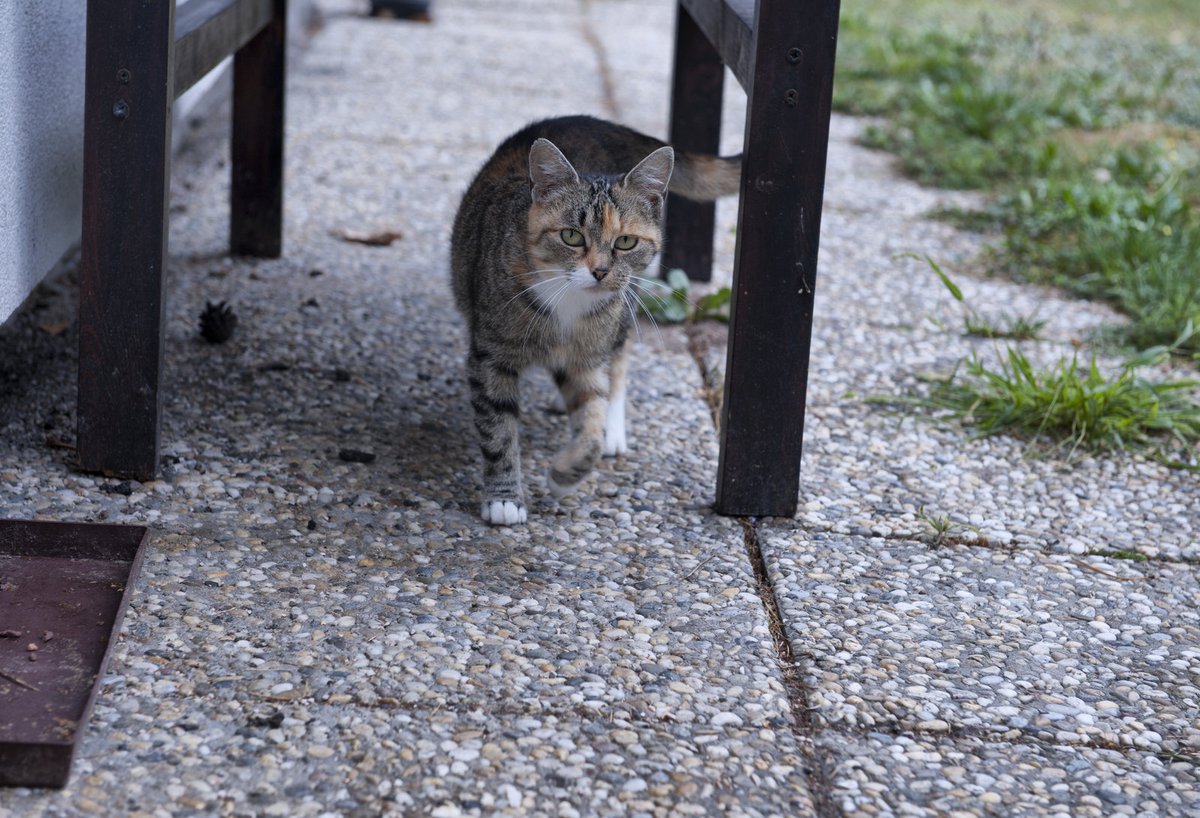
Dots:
(881, 774)
(323, 627)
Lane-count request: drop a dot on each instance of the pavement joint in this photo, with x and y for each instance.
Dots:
(710, 378)
(959, 541)
(817, 775)
(608, 86)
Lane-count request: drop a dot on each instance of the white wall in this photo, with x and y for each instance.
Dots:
(41, 140)
(41, 135)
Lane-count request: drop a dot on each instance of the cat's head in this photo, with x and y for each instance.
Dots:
(592, 234)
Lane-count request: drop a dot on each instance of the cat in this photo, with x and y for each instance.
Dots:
(546, 251)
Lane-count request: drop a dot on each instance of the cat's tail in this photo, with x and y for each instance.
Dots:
(702, 178)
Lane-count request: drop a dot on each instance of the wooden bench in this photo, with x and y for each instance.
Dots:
(141, 55)
(782, 53)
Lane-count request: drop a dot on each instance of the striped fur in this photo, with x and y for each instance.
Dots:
(531, 298)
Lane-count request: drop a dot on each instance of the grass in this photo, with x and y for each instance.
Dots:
(941, 530)
(1071, 406)
(1012, 327)
(1084, 120)
(1118, 554)
(1074, 407)
(669, 300)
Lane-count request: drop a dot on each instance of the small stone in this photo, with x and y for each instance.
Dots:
(726, 718)
(356, 456)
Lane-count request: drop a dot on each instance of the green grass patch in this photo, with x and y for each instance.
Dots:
(669, 300)
(1069, 406)
(1084, 121)
(1012, 327)
(1117, 554)
(1073, 407)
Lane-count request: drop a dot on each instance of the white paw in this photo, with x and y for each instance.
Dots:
(614, 442)
(558, 489)
(502, 512)
(614, 427)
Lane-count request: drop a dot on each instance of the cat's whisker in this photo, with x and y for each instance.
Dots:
(549, 303)
(654, 290)
(662, 301)
(653, 323)
(637, 327)
(536, 284)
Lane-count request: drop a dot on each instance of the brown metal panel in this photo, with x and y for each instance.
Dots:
(775, 266)
(67, 587)
(696, 92)
(256, 206)
(208, 31)
(129, 87)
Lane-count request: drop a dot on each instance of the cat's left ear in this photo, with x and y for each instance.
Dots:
(549, 170)
(651, 176)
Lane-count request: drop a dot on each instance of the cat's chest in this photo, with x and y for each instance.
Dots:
(580, 339)
(570, 309)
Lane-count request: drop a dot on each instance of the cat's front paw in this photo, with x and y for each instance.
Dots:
(614, 441)
(557, 487)
(614, 426)
(503, 512)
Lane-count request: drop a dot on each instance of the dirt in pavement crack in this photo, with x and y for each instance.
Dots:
(818, 776)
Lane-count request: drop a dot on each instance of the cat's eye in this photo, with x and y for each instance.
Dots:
(625, 242)
(571, 238)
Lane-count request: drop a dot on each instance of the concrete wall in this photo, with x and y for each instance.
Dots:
(41, 135)
(41, 140)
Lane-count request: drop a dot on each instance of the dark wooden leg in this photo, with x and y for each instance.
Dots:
(695, 126)
(774, 273)
(256, 206)
(127, 143)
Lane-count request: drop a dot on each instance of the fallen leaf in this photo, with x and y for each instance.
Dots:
(381, 238)
(56, 328)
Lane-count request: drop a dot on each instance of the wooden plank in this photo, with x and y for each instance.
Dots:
(775, 264)
(129, 87)
(696, 92)
(208, 31)
(256, 200)
(729, 26)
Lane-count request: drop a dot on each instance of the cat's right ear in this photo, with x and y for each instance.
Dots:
(549, 170)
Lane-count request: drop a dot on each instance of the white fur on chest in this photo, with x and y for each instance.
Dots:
(569, 301)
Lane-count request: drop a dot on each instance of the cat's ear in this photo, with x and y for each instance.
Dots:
(651, 175)
(549, 170)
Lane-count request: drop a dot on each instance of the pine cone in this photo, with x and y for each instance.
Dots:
(217, 322)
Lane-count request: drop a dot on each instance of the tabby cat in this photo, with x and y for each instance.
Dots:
(548, 245)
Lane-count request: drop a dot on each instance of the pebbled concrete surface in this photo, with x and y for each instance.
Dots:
(312, 636)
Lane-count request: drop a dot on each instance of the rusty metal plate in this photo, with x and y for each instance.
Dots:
(63, 591)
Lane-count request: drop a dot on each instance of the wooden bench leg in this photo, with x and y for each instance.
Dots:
(127, 143)
(775, 267)
(256, 201)
(696, 126)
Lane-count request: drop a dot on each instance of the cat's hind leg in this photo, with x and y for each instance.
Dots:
(586, 397)
(494, 397)
(614, 424)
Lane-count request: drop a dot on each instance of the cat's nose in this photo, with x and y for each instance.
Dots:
(599, 273)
